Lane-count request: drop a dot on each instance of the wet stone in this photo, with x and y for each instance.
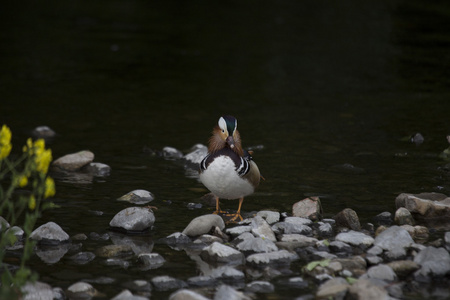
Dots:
(171, 153)
(271, 217)
(324, 229)
(151, 260)
(394, 240)
(238, 230)
(291, 228)
(198, 152)
(219, 253)
(384, 218)
(260, 287)
(294, 282)
(133, 219)
(447, 240)
(37, 291)
(227, 273)
(355, 238)
(260, 228)
(127, 295)
(403, 268)
(138, 197)
(203, 224)
(74, 161)
(339, 247)
(309, 208)
(335, 288)
(82, 258)
(43, 132)
(49, 233)
(256, 245)
(117, 262)
(81, 290)
(79, 237)
(141, 287)
(348, 218)
(186, 295)
(434, 262)
(300, 239)
(98, 169)
(281, 257)
(167, 283)
(225, 292)
(381, 272)
(114, 250)
(365, 289)
(177, 238)
(201, 281)
(403, 217)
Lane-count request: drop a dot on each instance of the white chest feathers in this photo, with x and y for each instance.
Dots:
(223, 181)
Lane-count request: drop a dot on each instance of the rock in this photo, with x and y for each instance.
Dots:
(74, 161)
(142, 287)
(256, 245)
(138, 197)
(348, 218)
(133, 219)
(384, 218)
(335, 288)
(271, 217)
(447, 240)
(81, 290)
(281, 257)
(300, 240)
(340, 247)
(209, 239)
(291, 228)
(177, 238)
(310, 208)
(363, 289)
(43, 132)
(227, 273)
(381, 272)
(150, 260)
(394, 240)
(51, 254)
(298, 221)
(355, 238)
(260, 287)
(348, 168)
(114, 250)
(15, 230)
(432, 209)
(167, 283)
(203, 224)
(201, 281)
(356, 264)
(260, 228)
(434, 262)
(325, 229)
(184, 294)
(37, 291)
(238, 230)
(171, 153)
(403, 268)
(49, 233)
(403, 217)
(225, 292)
(294, 283)
(98, 169)
(127, 295)
(219, 253)
(138, 243)
(82, 258)
(198, 152)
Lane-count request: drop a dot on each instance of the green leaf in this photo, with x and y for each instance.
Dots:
(312, 265)
(351, 280)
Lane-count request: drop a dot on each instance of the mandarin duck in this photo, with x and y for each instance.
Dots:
(228, 171)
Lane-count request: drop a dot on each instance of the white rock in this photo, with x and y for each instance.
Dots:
(49, 231)
(260, 228)
(133, 219)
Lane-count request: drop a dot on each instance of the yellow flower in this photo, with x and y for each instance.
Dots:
(5, 142)
(49, 187)
(28, 146)
(23, 181)
(32, 203)
(43, 160)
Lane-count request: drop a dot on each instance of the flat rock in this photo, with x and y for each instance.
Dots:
(81, 290)
(291, 228)
(151, 260)
(74, 161)
(49, 232)
(133, 219)
(355, 238)
(348, 218)
(280, 257)
(335, 288)
(395, 240)
(238, 230)
(365, 289)
(177, 238)
(167, 283)
(300, 239)
(434, 262)
(309, 208)
(227, 273)
(82, 258)
(138, 197)
(171, 153)
(403, 268)
(256, 245)
(203, 224)
(37, 291)
(260, 228)
(184, 294)
(260, 287)
(219, 253)
(43, 132)
(381, 272)
(271, 217)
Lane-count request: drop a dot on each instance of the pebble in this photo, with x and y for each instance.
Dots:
(43, 132)
(403, 217)
(82, 258)
(109, 251)
(138, 197)
(355, 238)
(49, 233)
(434, 262)
(260, 287)
(133, 219)
(74, 161)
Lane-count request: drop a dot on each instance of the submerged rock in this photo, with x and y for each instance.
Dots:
(198, 152)
(171, 153)
(98, 169)
(138, 197)
(49, 233)
(403, 217)
(133, 219)
(150, 260)
(74, 161)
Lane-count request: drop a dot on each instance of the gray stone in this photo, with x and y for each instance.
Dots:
(281, 257)
(434, 262)
(260, 287)
(225, 292)
(300, 239)
(133, 219)
(43, 132)
(395, 240)
(309, 208)
(167, 283)
(364, 289)
(256, 245)
(227, 273)
(384, 218)
(81, 290)
(151, 260)
(325, 229)
(49, 232)
(74, 161)
(348, 218)
(447, 240)
(403, 268)
(238, 230)
(209, 239)
(335, 288)
(37, 291)
(219, 253)
(138, 243)
(177, 238)
(403, 217)
(184, 294)
(171, 153)
(381, 272)
(355, 238)
(127, 295)
(298, 221)
(3, 222)
(142, 287)
(340, 247)
(51, 254)
(138, 197)
(201, 281)
(291, 228)
(373, 260)
(294, 282)
(271, 217)
(260, 228)
(82, 258)
(98, 169)
(203, 224)
(118, 262)
(109, 251)
(198, 152)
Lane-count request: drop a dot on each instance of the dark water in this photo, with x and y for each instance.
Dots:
(317, 84)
